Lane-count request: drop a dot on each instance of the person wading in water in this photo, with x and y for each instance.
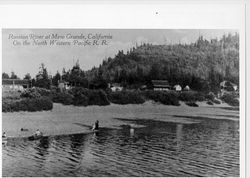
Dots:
(96, 126)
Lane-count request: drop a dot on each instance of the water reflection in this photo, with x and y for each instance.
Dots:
(132, 132)
(178, 136)
(205, 148)
(42, 147)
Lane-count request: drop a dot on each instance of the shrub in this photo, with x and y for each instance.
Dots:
(35, 93)
(230, 99)
(14, 95)
(28, 104)
(80, 100)
(43, 91)
(210, 102)
(63, 98)
(6, 106)
(79, 96)
(97, 97)
(126, 97)
(84, 97)
(193, 104)
(30, 93)
(167, 98)
(210, 96)
(191, 96)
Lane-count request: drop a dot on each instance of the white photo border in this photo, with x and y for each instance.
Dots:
(140, 15)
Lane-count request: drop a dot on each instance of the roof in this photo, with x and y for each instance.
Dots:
(15, 81)
(160, 83)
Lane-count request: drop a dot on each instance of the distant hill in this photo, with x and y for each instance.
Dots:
(201, 65)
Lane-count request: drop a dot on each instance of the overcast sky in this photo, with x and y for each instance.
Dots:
(27, 59)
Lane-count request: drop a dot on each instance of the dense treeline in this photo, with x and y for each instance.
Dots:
(201, 65)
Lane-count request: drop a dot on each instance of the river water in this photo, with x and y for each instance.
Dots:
(205, 147)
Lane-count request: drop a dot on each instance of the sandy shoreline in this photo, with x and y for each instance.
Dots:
(70, 119)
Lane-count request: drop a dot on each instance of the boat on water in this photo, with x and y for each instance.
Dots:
(35, 137)
(4, 140)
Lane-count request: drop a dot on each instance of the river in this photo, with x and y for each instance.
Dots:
(204, 147)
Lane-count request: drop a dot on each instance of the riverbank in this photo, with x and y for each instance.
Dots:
(71, 119)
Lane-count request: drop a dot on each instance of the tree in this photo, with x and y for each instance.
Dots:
(139, 74)
(5, 76)
(76, 76)
(56, 78)
(42, 78)
(188, 64)
(154, 72)
(13, 75)
(27, 76)
(98, 81)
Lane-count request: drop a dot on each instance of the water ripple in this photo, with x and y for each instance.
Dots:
(157, 149)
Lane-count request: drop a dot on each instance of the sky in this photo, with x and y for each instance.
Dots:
(23, 59)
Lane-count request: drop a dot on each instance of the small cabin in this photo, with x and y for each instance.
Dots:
(177, 88)
(161, 85)
(186, 88)
(115, 87)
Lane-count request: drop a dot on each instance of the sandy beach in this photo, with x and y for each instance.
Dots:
(70, 119)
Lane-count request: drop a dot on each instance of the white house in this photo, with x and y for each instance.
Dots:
(116, 87)
(177, 88)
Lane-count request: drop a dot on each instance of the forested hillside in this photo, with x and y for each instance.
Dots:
(201, 65)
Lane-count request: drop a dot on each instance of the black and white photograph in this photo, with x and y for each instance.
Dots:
(116, 101)
(143, 102)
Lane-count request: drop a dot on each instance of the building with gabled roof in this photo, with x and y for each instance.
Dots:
(161, 85)
(177, 88)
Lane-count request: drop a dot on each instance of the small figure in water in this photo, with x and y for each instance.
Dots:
(38, 133)
(4, 135)
(96, 125)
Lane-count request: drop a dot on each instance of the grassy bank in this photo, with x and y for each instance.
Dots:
(37, 99)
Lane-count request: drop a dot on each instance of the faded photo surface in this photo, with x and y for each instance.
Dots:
(120, 102)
